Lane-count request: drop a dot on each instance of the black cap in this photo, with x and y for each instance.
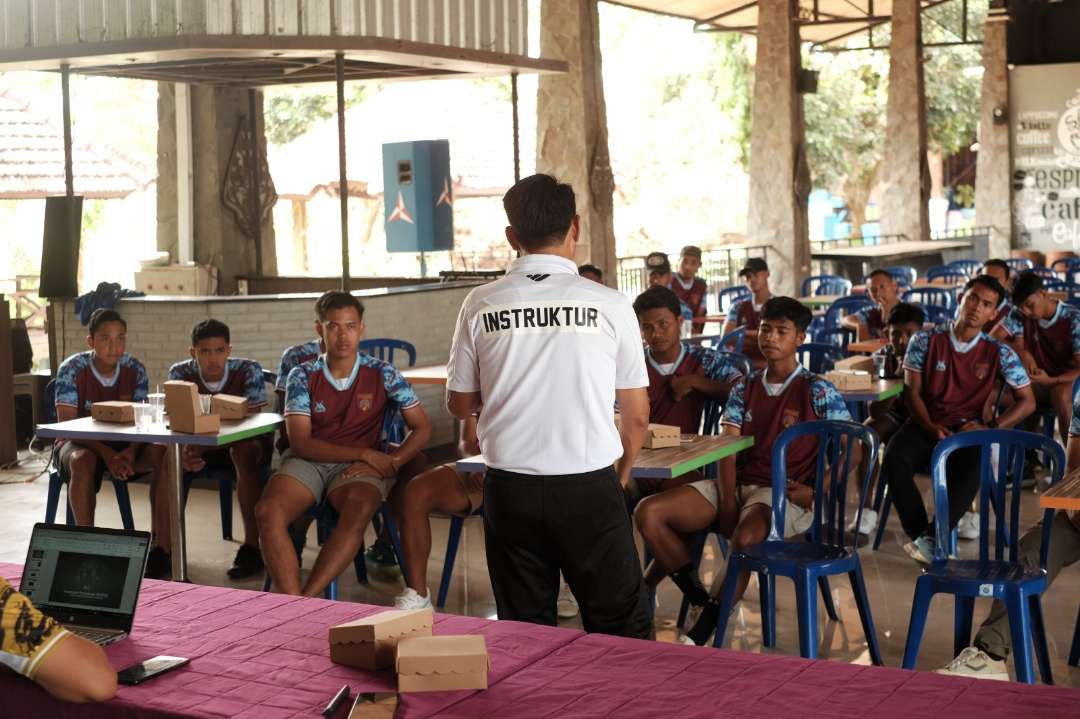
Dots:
(657, 262)
(753, 264)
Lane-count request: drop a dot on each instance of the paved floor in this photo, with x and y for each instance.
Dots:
(890, 577)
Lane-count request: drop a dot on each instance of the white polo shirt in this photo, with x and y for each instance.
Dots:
(547, 349)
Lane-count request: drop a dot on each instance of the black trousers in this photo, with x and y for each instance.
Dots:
(909, 452)
(536, 526)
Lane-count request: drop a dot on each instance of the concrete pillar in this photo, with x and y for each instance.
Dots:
(779, 175)
(993, 202)
(906, 175)
(215, 115)
(572, 138)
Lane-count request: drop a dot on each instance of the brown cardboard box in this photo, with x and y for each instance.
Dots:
(229, 406)
(661, 435)
(850, 381)
(429, 664)
(185, 412)
(121, 412)
(858, 363)
(370, 643)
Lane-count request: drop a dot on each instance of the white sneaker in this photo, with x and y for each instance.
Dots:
(921, 550)
(411, 599)
(968, 526)
(683, 639)
(566, 607)
(867, 524)
(976, 664)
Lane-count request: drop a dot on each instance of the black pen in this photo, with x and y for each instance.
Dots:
(336, 702)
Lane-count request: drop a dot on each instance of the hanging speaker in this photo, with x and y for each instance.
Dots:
(60, 247)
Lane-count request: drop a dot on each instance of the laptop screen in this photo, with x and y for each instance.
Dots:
(73, 573)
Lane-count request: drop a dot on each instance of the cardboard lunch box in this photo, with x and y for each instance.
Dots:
(184, 410)
(229, 406)
(113, 411)
(370, 643)
(445, 663)
(850, 381)
(858, 363)
(658, 436)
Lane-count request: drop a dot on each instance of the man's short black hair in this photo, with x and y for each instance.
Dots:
(656, 298)
(540, 210)
(208, 329)
(337, 300)
(786, 308)
(907, 313)
(1026, 284)
(590, 269)
(881, 272)
(1001, 264)
(989, 283)
(102, 316)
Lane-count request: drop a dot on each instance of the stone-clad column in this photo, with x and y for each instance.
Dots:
(779, 176)
(993, 201)
(572, 138)
(906, 175)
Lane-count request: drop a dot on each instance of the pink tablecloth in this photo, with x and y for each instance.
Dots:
(263, 656)
(600, 676)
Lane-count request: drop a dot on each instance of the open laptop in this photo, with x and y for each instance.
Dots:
(86, 578)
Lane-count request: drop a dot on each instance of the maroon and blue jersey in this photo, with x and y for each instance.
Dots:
(242, 378)
(693, 360)
(957, 377)
(294, 357)
(348, 411)
(763, 412)
(79, 384)
(1053, 342)
(691, 296)
(871, 317)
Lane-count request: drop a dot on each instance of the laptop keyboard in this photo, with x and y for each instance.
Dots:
(100, 637)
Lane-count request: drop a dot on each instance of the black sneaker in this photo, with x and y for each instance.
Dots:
(247, 563)
(158, 564)
(381, 554)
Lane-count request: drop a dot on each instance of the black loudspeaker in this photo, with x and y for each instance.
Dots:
(60, 247)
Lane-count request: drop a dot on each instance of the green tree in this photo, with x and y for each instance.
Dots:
(291, 111)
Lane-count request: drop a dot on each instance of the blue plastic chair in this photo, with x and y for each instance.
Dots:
(998, 575)
(825, 553)
(385, 349)
(1074, 652)
(1054, 284)
(733, 341)
(843, 306)
(904, 274)
(927, 296)
(1019, 264)
(937, 315)
(837, 336)
(730, 295)
(951, 275)
(969, 268)
(819, 358)
(52, 499)
(710, 418)
(1046, 273)
(1067, 267)
(453, 538)
(824, 285)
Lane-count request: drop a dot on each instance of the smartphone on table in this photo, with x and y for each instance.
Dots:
(139, 673)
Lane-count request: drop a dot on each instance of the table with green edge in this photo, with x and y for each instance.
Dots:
(90, 429)
(819, 300)
(881, 389)
(695, 452)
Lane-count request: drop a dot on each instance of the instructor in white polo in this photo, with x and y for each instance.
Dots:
(546, 353)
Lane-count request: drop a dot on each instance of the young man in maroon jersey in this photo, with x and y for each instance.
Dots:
(334, 416)
(747, 313)
(688, 287)
(763, 405)
(869, 322)
(949, 375)
(682, 375)
(1045, 332)
(103, 373)
(213, 368)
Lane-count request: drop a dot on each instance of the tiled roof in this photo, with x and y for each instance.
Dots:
(32, 159)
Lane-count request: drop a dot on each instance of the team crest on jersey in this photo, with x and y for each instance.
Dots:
(364, 402)
(320, 407)
(940, 366)
(982, 371)
(790, 418)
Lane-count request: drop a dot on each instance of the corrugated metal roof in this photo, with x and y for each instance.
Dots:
(32, 159)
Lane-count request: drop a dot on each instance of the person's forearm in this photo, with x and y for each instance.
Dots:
(918, 411)
(1017, 413)
(317, 450)
(1068, 377)
(710, 387)
(418, 437)
(632, 435)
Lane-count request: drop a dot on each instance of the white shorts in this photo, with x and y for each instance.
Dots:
(796, 519)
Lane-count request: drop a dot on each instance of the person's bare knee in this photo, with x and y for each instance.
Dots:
(82, 463)
(281, 503)
(355, 503)
(649, 516)
(753, 527)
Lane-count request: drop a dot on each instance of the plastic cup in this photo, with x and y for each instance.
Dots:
(204, 403)
(879, 365)
(144, 417)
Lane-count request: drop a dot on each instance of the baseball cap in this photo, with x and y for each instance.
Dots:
(753, 264)
(657, 262)
(691, 251)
